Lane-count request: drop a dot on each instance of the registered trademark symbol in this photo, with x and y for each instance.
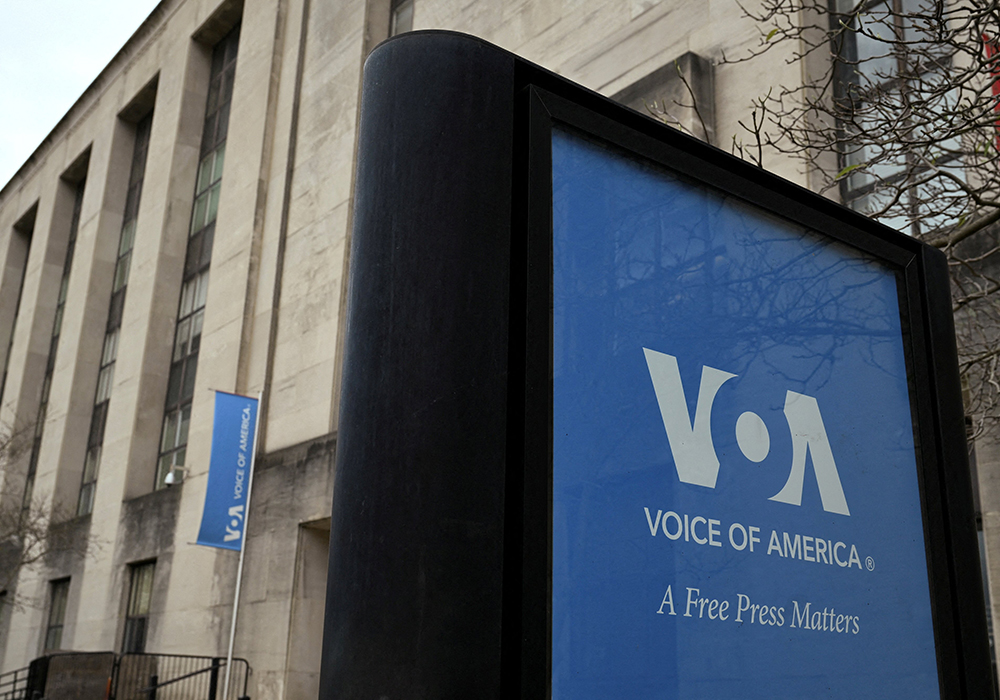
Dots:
(870, 563)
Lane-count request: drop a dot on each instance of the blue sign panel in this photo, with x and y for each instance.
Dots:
(736, 509)
(224, 517)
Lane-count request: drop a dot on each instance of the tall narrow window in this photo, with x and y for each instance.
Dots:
(187, 337)
(140, 593)
(50, 364)
(400, 17)
(58, 594)
(19, 248)
(886, 64)
(109, 352)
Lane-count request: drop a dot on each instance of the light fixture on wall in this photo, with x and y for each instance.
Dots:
(175, 476)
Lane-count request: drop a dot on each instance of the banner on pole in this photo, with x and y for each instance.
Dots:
(224, 516)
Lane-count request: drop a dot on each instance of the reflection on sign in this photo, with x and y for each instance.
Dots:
(733, 451)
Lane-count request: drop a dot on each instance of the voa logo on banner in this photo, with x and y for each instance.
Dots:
(691, 441)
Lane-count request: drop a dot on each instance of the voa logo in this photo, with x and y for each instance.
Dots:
(691, 440)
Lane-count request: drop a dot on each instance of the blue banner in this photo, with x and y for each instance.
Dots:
(736, 503)
(224, 517)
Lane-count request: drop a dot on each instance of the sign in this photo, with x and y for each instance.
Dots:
(736, 509)
(224, 517)
(623, 416)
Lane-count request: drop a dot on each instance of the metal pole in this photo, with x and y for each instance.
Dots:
(213, 679)
(243, 549)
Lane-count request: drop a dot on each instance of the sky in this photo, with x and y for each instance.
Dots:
(50, 51)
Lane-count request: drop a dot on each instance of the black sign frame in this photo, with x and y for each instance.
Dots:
(455, 145)
(928, 327)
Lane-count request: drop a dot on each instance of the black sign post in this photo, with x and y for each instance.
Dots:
(624, 416)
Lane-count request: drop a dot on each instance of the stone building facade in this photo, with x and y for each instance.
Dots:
(186, 228)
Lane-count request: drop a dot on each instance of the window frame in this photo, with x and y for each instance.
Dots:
(172, 447)
(58, 599)
(79, 189)
(135, 623)
(848, 77)
(401, 16)
(116, 304)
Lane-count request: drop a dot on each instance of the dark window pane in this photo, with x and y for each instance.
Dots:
(232, 42)
(192, 259)
(227, 86)
(29, 487)
(174, 383)
(97, 424)
(208, 238)
(115, 312)
(57, 323)
(223, 125)
(208, 135)
(218, 58)
(69, 253)
(132, 202)
(53, 345)
(190, 369)
(135, 636)
(214, 88)
(138, 163)
(44, 396)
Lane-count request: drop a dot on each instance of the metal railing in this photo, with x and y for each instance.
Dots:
(177, 677)
(14, 684)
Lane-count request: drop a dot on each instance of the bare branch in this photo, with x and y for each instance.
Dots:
(30, 531)
(905, 94)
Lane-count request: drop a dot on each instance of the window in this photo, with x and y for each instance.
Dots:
(50, 364)
(58, 594)
(887, 63)
(109, 351)
(400, 17)
(137, 611)
(679, 93)
(194, 289)
(20, 245)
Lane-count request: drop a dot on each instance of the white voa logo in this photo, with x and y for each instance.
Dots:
(691, 441)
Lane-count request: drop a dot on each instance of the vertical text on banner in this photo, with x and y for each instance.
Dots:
(224, 517)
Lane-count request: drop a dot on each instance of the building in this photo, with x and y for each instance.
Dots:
(186, 227)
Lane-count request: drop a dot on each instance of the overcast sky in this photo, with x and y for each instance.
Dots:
(50, 51)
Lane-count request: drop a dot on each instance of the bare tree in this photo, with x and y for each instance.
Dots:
(901, 113)
(29, 526)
